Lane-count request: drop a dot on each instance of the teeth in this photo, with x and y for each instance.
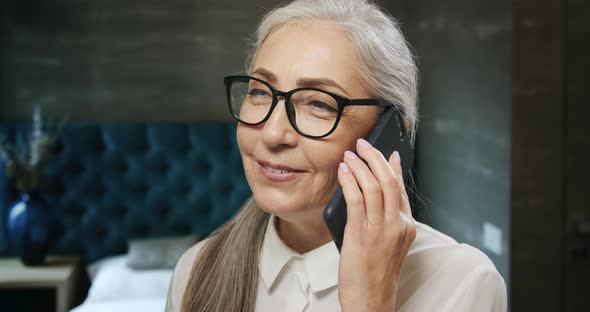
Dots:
(275, 170)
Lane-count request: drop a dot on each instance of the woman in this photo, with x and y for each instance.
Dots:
(277, 254)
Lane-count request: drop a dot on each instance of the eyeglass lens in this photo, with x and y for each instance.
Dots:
(314, 112)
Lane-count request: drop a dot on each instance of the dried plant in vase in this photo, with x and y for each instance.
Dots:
(30, 222)
(26, 161)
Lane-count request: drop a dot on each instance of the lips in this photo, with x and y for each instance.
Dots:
(278, 172)
(277, 167)
(275, 170)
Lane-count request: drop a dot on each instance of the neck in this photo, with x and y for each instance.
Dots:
(303, 236)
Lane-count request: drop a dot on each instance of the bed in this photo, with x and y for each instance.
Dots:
(113, 186)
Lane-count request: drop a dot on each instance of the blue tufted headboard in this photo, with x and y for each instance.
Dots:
(113, 182)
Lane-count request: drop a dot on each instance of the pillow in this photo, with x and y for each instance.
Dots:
(94, 267)
(112, 280)
(160, 253)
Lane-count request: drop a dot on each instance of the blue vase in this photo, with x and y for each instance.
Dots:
(30, 227)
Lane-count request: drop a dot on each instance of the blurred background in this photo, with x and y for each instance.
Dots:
(503, 141)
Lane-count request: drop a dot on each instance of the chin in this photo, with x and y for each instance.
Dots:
(277, 202)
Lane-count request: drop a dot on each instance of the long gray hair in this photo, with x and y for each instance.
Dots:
(224, 276)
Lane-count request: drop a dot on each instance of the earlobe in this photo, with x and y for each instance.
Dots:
(407, 125)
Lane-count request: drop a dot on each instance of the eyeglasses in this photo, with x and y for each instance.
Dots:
(312, 112)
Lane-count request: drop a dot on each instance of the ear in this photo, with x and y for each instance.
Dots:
(407, 125)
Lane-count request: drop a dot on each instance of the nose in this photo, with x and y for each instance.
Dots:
(277, 131)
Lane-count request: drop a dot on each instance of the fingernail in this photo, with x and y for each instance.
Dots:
(350, 155)
(363, 142)
(396, 157)
(344, 168)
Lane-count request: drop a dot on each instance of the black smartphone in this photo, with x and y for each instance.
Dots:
(388, 135)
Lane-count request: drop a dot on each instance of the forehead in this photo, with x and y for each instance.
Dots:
(310, 50)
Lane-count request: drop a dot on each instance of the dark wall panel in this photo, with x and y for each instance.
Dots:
(537, 155)
(463, 144)
(577, 170)
(123, 60)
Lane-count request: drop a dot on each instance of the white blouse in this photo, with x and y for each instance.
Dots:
(439, 274)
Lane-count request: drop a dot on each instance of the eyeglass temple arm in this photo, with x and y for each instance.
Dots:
(367, 102)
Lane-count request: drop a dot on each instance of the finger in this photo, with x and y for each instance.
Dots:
(370, 187)
(395, 163)
(355, 206)
(385, 175)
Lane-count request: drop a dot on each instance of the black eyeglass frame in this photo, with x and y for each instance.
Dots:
(342, 103)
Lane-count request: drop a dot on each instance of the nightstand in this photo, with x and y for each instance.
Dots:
(58, 272)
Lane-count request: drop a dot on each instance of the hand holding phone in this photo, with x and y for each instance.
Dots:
(388, 135)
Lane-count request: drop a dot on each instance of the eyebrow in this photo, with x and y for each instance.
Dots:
(267, 74)
(304, 82)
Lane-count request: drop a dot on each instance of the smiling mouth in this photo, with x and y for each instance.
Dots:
(277, 170)
(278, 173)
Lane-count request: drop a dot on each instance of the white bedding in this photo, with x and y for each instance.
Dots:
(130, 305)
(117, 287)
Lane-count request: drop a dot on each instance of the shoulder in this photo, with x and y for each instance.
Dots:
(182, 272)
(440, 272)
(441, 248)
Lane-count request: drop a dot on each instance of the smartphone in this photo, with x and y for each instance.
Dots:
(388, 135)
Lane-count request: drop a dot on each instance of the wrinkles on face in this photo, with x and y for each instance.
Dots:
(305, 50)
(291, 54)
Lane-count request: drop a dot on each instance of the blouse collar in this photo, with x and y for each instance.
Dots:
(321, 264)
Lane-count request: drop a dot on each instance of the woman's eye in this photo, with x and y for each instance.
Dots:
(318, 105)
(257, 92)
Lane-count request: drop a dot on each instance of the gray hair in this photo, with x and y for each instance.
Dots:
(387, 65)
(224, 276)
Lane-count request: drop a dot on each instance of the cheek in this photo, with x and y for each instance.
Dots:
(246, 139)
(327, 155)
